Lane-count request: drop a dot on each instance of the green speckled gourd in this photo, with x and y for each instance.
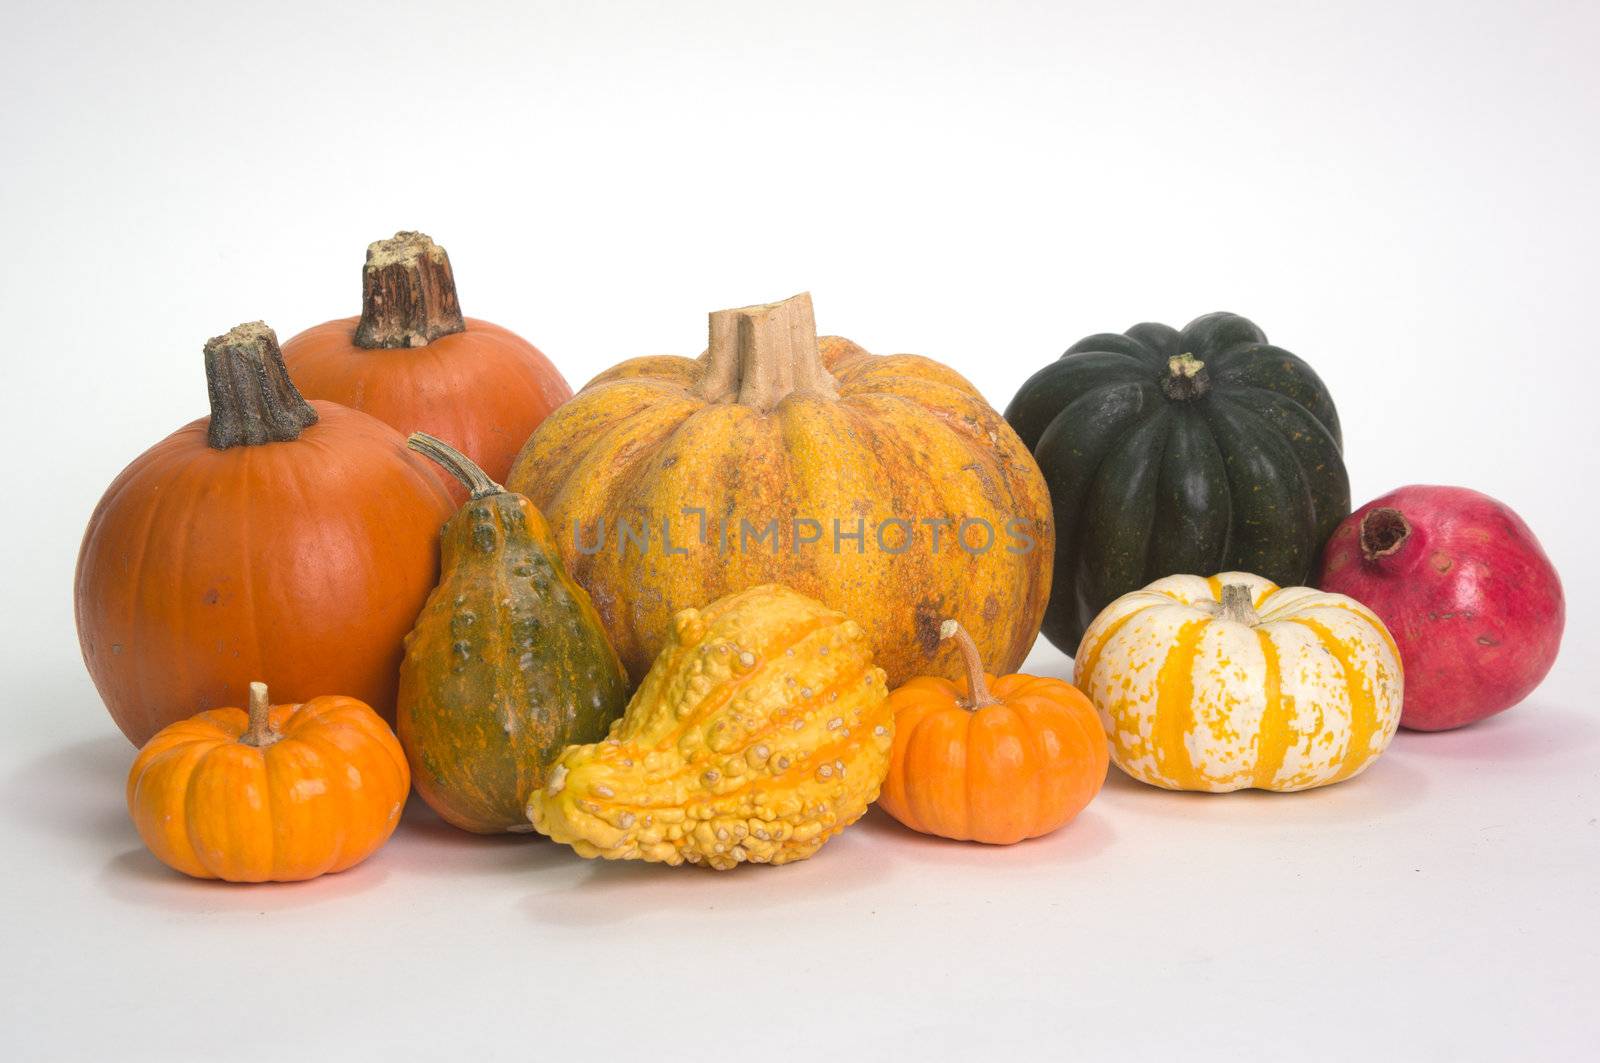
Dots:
(507, 665)
(1167, 451)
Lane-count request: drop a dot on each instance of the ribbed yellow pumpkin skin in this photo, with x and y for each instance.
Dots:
(907, 440)
(1309, 696)
(762, 730)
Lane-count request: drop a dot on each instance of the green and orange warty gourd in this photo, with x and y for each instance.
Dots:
(1232, 682)
(883, 486)
(507, 665)
(277, 538)
(762, 730)
(280, 793)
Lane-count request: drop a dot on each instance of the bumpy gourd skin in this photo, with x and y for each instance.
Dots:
(762, 730)
(507, 665)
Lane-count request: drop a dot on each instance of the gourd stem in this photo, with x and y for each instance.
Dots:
(408, 294)
(1186, 378)
(977, 686)
(457, 464)
(253, 401)
(260, 732)
(760, 355)
(1383, 531)
(1238, 605)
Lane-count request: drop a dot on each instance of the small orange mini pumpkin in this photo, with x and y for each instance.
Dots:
(1016, 758)
(281, 794)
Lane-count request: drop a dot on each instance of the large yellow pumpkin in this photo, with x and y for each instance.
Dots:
(885, 487)
(1231, 682)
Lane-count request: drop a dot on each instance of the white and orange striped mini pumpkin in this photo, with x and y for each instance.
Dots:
(1230, 682)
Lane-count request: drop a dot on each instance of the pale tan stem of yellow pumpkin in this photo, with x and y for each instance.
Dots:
(759, 355)
(977, 687)
(456, 464)
(408, 294)
(260, 732)
(1238, 605)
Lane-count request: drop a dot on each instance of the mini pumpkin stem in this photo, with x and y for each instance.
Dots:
(1238, 605)
(457, 464)
(408, 294)
(253, 401)
(977, 686)
(1383, 531)
(760, 355)
(260, 732)
(1186, 377)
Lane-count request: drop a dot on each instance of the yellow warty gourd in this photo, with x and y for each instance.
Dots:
(761, 731)
(1231, 682)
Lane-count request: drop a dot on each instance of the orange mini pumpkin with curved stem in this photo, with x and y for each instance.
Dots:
(991, 760)
(282, 793)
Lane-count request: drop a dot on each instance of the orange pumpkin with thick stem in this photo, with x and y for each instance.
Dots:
(415, 363)
(277, 537)
(991, 760)
(279, 794)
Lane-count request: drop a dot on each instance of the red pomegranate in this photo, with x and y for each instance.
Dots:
(1468, 593)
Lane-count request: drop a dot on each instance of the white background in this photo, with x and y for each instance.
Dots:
(1404, 194)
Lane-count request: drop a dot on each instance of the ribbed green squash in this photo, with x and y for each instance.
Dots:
(1205, 450)
(507, 665)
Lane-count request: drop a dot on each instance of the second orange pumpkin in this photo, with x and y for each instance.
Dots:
(412, 361)
(991, 760)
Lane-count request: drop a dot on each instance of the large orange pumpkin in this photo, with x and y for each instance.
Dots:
(275, 538)
(413, 362)
(885, 487)
(282, 793)
(991, 760)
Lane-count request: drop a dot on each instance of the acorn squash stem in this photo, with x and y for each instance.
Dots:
(253, 401)
(977, 686)
(760, 355)
(260, 732)
(408, 294)
(1187, 378)
(457, 464)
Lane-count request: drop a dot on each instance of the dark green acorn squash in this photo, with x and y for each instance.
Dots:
(508, 664)
(1200, 451)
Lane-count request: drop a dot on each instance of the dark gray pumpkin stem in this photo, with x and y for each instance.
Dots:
(408, 294)
(253, 401)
